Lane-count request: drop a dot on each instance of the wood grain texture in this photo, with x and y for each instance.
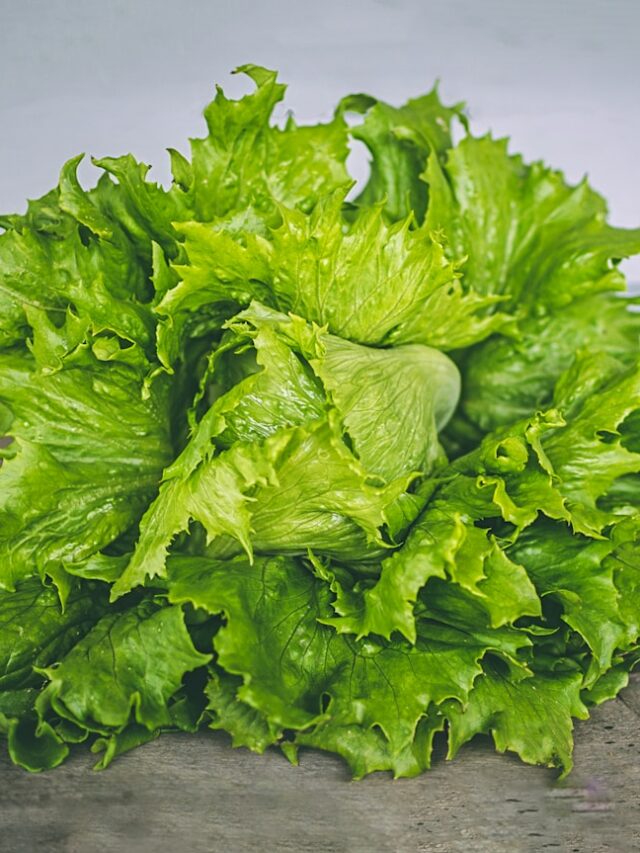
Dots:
(194, 794)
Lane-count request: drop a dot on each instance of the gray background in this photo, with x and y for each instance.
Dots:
(560, 76)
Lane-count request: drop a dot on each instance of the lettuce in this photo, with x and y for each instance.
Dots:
(316, 467)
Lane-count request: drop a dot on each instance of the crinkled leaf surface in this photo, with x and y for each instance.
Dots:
(289, 662)
(526, 233)
(36, 630)
(87, 458)
(126, 668)
(400, 139)
(532, 717)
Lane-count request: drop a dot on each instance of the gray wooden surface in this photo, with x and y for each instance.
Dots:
(197, 795)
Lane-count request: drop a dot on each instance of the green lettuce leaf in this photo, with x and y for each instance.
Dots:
(402, 435)
(126, 668)
(87, 457)
(625, 563)
(246, 163)
(110, 748)
(294, 669)
(246, 725)
(369, 282)
(33, 744)
(65, 255)
(367, 750)
(532, 717)
(589, 455)
(36, 630)
(505, 380)
(547, 465)
(575, 571)
(400, 139)
(505, 477)
(525, 232)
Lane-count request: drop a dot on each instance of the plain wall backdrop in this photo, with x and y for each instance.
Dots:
(561, 77)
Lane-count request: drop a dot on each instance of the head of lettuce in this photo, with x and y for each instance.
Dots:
(316, 464)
